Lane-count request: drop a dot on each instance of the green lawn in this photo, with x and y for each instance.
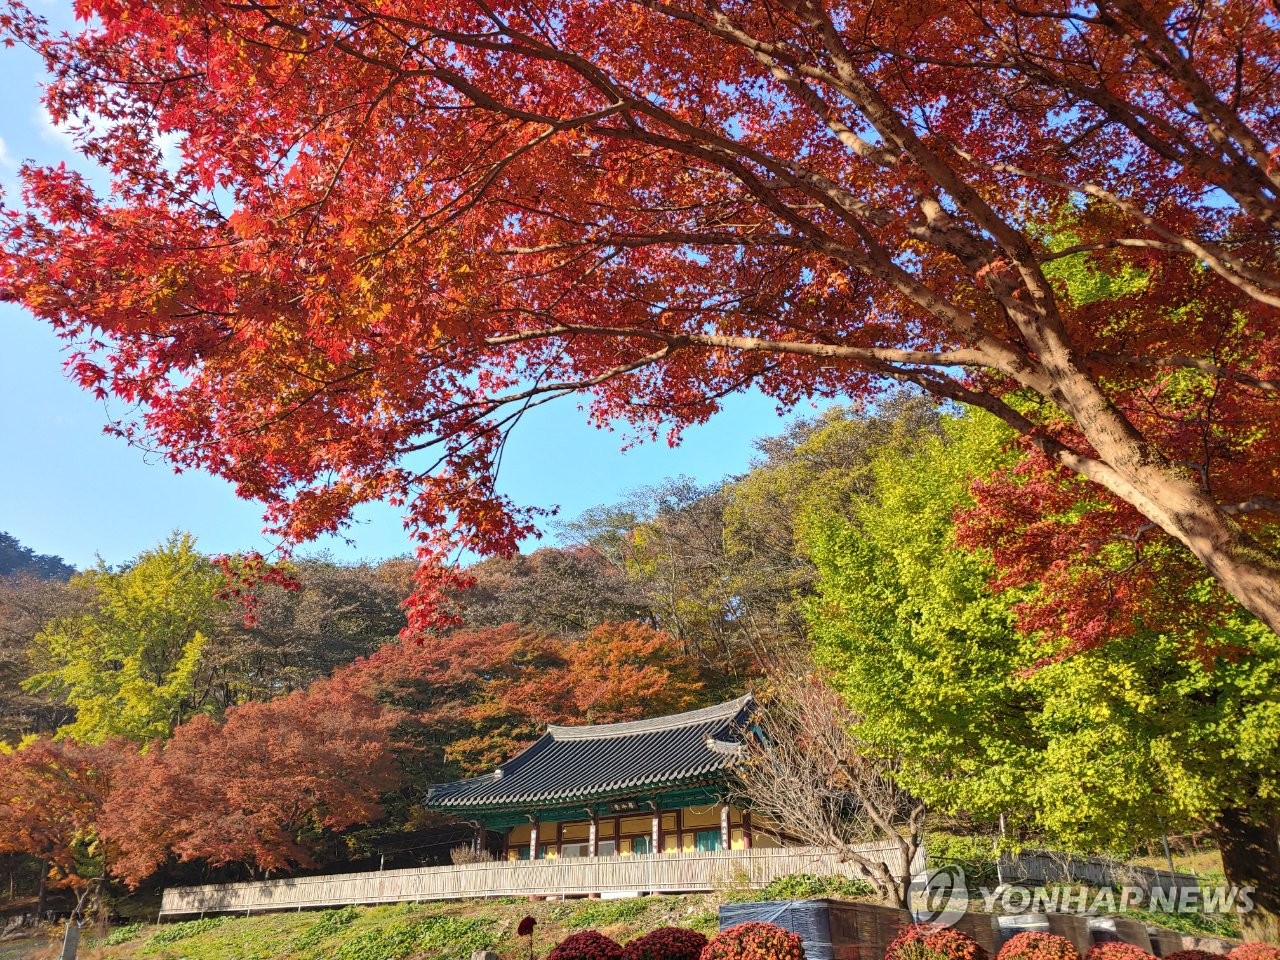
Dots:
(396, 932)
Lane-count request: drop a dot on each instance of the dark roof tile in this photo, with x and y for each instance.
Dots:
(582, 763)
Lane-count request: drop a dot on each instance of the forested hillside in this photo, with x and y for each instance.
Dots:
(157, 705)
(18, 560)
(156, 686)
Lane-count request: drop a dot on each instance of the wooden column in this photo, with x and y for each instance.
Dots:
(746, 829)
(593, 835)
(725, 835)
(534, 850)
(478, 843)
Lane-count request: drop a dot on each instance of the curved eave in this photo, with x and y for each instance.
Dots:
(585, 799)
(582, 765)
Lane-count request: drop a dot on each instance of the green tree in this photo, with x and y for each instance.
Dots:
(129, 666)
(721, 567)
(1169, 728)
(819, 465)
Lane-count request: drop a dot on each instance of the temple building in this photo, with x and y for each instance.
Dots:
(618, 809)
(615, 789)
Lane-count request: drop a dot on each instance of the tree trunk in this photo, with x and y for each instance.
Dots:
(907, 847)
(894, 891)
(44, 889)
(1135, 469)
(1250, 846)
(1235, 560)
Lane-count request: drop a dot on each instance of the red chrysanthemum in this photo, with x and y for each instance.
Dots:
(588, 945)
(1254, 951)
(1040, 946)
(946, 943)
(666, 943)
(754, 941)
(1115, 950)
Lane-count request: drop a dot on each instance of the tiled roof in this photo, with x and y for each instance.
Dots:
(569, 764)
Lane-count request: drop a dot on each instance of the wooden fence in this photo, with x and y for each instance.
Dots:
(568, 876)
(1037, 867)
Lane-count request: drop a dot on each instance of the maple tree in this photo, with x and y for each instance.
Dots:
(629, 671)
(391, 229)
(257, 789)
(452, 691)
(50, 797)
(473, 698)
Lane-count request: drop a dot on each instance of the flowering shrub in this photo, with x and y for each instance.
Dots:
(1207, 955)
(588, 945)
(754, 941)
(666, 943)
(1041, 946)
(1115, 950)
(1254, 951)
(922, 941)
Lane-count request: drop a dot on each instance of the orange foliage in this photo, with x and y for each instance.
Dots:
(50, 797)
(389, 230)
(250, 789)
(475, 697)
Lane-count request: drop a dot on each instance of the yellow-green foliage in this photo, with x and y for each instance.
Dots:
(325, 926)
(173, 932)
(128, 667)
(122, 934)
(1082, 279)
(1099, 751)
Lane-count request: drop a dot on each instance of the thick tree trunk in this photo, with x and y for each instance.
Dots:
(1135, 470)
(894, 890)
(1239, 564)
(1250, 846)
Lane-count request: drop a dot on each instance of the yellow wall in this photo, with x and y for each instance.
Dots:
(679, 832)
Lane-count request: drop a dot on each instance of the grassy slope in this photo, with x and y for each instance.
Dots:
(434, 930)
(437, 931)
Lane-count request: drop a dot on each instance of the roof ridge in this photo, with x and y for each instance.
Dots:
(491, 776)
(719, 711)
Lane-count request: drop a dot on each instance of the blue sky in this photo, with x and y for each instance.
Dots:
(67, 489)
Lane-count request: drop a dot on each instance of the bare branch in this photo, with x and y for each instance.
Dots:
(814, 780)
